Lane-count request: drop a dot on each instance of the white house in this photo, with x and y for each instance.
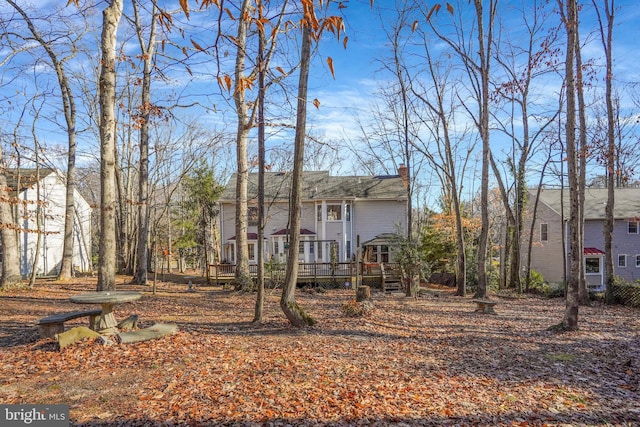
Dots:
(339, 213)
(50, 190)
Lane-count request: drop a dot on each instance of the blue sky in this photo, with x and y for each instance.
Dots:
(357, 68)
(358, 72)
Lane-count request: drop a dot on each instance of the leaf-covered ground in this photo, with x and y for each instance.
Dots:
(430, 361)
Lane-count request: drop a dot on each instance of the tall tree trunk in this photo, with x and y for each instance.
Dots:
(510, 232)
(148, 52)
(607, 43)
(259, 308)
(570, 319)
(484, 50)
(107, 87)
(461, 262)
(583, 295)
(10, 257)
(38, 251)
(296, 315)
(242, 278)
(410, 287)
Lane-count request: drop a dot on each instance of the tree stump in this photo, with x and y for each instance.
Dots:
(363, 293)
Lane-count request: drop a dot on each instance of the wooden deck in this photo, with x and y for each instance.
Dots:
(343, 274)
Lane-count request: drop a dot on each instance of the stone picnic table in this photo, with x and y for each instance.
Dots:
(106, 323)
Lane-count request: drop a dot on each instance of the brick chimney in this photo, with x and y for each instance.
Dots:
(403, 171)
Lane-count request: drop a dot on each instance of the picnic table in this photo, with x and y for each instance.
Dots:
(105, 323)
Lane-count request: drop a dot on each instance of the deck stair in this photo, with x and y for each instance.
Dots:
(391, 279)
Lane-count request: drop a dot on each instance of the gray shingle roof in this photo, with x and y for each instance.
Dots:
(627, 202)
(320, 185)
(26, 176)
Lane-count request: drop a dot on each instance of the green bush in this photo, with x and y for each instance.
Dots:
(539, 286)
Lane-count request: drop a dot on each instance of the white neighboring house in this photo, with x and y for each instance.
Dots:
(52, 193)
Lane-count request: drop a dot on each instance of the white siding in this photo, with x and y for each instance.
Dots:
(53, 196)
(374, 217)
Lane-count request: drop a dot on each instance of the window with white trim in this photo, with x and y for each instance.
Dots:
(632, 227)
(637, 261)
(592, 265)
(622, 260)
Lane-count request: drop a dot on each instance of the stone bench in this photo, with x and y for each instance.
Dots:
(485, 305)
(51, 325)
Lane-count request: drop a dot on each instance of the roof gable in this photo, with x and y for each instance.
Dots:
(25, 178)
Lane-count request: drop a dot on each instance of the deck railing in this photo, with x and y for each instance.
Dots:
(306, 270)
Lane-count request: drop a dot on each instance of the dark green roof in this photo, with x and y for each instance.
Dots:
(320, 185)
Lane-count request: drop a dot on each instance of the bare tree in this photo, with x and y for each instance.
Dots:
(296, 315)
(538, 55)
(583, 153)
(444, 156)
(147, 47)
(259, 307)
(476, 61)
(107, 88)
(606, 36)
(569, 14)
(242, 279)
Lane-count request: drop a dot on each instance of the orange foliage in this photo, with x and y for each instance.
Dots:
(446, 224)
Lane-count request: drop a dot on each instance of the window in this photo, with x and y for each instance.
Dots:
(252, 251)
(312, 246)
(633, 227)
(544, 232)
(319, 213)
(637, 260)
(348, 248)
(301, 247)
(592, 265)
(276, 247)
(347, 212)
(622, 261)
(252, 216)
(334, 212)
